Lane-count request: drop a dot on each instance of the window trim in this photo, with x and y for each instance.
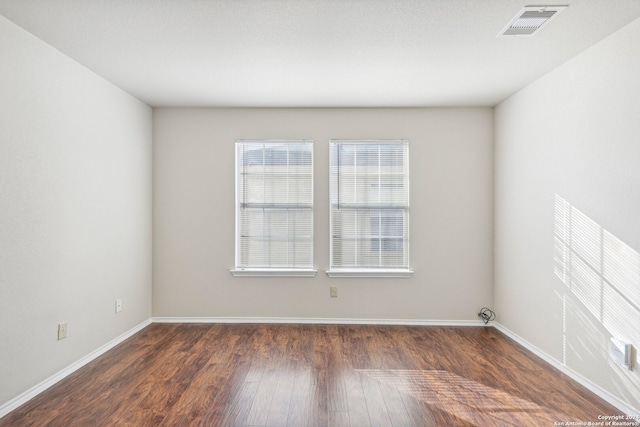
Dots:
(239, 271)
(273, 272)
(367, 272)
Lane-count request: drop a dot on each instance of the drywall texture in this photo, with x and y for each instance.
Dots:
(567, 203)
(451, 215)
(75, 210)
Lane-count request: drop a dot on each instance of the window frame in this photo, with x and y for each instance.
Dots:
(368, 271)
(263, 271)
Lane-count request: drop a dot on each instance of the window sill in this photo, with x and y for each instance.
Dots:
(377, 272)
(273, 272)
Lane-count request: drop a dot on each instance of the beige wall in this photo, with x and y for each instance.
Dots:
(451, 215)
(567, 191)
(75, 210)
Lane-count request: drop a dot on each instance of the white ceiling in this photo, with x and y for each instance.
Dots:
(315, 53)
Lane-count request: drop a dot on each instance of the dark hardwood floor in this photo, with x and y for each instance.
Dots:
(313, 375)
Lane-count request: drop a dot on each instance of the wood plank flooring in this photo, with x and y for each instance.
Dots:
(313, 375)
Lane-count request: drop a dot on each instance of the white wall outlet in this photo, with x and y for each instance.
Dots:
(62, 330)
(620, 352)
(333, 291)
(118, 305)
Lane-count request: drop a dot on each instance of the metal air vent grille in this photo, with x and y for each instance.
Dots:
(530, 19)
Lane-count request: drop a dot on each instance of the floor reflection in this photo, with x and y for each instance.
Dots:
(465, 399)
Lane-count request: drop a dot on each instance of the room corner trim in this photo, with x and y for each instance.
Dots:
(594, 388)
(59, 376)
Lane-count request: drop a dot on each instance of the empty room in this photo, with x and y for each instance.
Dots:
(319, 213)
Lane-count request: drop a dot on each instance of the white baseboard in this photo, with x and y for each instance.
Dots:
(597, 390)
(317, 321)
(59, 376)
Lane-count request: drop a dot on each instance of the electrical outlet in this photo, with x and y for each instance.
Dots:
(118, 305)
(62, 330)
(333, 291)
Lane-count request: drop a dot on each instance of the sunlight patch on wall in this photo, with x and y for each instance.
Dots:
(600, 270)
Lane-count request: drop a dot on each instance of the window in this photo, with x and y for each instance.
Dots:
(369, 208)
(274, 208)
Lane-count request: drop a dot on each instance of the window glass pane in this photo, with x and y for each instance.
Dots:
(275, 204)
(369, 204)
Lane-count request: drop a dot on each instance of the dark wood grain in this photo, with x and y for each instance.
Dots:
(313, 375)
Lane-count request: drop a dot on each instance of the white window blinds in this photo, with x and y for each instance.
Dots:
(274, 209)
(369, 205)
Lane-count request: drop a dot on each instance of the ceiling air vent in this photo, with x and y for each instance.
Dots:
(530, 19)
